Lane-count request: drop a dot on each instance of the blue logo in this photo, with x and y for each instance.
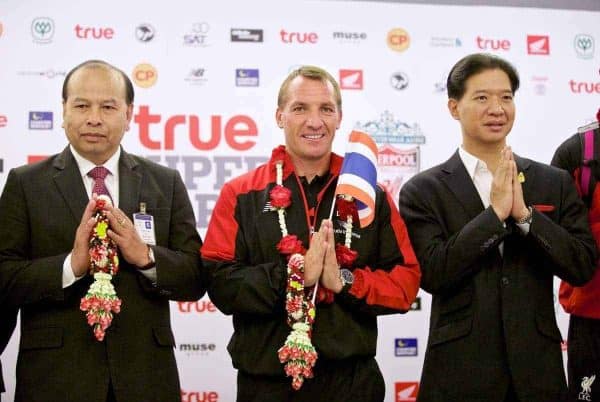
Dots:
(246, 77)
(40, 120)
(405, 347)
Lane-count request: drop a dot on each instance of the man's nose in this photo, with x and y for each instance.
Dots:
(314, 120)
(94, 116)
(496, 107)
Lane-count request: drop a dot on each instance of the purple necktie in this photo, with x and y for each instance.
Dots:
(98, 174)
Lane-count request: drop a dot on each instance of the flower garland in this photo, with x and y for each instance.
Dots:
(298, 353)
(101, 300)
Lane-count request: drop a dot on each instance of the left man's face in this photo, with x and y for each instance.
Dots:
(95, 114)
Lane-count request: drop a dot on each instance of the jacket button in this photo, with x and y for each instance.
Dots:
(505, 281)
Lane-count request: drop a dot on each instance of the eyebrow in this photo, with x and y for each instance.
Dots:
(492, 91)
(110, 100)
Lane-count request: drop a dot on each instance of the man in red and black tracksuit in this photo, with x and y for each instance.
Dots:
(249, 274)
(583, 303)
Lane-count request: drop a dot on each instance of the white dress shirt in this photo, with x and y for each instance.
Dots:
(112, 184)
(482, 179)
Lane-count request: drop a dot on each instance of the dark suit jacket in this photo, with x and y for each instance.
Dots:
(492, 316)
(40, 209)
(8, 320)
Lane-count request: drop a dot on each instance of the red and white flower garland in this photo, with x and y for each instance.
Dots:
(101, 300)
(298, 353)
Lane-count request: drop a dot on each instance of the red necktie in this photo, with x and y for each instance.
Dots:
(98, 174)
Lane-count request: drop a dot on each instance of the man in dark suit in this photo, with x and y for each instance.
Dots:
(491, 229)
(45, 224)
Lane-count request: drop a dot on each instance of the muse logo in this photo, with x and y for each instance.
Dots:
(197, 348)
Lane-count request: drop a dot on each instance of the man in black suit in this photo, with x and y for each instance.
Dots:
(491, 229)
(45, 223)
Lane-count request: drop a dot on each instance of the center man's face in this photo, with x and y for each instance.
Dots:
(309, 118)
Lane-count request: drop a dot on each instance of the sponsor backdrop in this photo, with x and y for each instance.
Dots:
(207, 76)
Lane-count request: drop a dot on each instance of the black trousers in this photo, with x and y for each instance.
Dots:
(111, 394)
(348, 380)
(583, 364)
(511, 395)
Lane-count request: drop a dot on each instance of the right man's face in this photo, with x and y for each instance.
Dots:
(486, 111)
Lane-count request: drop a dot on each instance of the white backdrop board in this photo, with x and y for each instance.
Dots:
(206, 77)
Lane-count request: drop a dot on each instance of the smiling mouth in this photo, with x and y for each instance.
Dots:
(313, 137)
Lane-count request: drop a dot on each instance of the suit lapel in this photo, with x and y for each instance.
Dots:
(129, 184)
(461, 185)
(528, 174)
(70, 184)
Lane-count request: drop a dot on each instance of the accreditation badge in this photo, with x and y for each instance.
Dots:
(144, 225)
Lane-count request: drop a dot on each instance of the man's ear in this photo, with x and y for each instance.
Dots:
(339, 122)
(64, 107)
(129, 116)
(453, 108)
(279, 118)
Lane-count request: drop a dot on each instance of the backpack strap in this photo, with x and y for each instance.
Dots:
(587, 142)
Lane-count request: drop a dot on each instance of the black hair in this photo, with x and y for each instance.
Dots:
(473, 64)
(129, 92)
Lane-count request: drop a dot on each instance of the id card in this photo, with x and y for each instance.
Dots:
(144, 224)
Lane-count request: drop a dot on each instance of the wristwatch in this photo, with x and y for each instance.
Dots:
(347, 277)
(527, 218)
(152, 262)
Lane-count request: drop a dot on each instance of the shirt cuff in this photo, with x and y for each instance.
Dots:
(524, 227)
(149, 273)
(68, 277)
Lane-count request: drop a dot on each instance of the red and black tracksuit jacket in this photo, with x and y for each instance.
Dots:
(581, 301)
(248, 275)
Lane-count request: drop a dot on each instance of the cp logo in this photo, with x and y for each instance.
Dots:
(398, 39)
(144, 75)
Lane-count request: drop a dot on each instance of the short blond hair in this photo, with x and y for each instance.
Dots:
(313, 73)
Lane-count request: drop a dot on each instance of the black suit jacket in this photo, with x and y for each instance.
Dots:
(492, 315)
(40, 209)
